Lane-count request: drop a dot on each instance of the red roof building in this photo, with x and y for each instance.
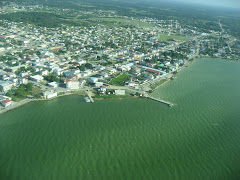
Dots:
(6, 102)
(153, 71)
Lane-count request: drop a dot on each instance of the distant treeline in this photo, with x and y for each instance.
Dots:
(204, 18)
(37, 18)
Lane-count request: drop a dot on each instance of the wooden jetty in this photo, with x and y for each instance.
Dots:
(162, 101)
(159, 100)
(90, 97)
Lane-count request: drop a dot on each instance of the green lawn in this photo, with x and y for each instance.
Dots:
(121, 21)
(120, 80)
(165, 37)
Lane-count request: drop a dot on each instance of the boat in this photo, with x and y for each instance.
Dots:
(87, 99)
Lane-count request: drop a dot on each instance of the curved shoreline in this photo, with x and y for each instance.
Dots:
(25, 101)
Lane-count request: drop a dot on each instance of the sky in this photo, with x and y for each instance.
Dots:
(221, 3)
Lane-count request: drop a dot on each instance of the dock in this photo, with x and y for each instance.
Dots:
(159, 100)
(89, 95)
(162, 101)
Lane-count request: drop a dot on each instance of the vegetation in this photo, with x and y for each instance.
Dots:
(120, 80)
(166, 37)
(37, 18)
(109, 21)
(112, 96)
(155, 85)
(21, 92)
(52, 78)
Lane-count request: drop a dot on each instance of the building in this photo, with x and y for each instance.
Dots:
(99, 84)
(72, 84)
(120, 92)
(93, 80)
(153, 71)
(6, 102)
(103, 88)
(5, 85)
(136, 71)
(37, 78)
(53, 84)
(22, 80)
(49, 94)
(81, 82)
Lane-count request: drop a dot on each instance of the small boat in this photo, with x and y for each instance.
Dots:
(87, 99)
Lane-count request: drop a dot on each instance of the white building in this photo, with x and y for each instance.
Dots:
(93, 80)
(23, 81)
(70, 84)
(119, 92)
(49, 94)
(53, 84)
(58, 71)
(37, 78)
(6, 102)
(5, 85)
(24, 74)
(99, 84)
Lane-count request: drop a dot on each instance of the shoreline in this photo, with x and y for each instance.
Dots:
(25, 101)
(174, 75)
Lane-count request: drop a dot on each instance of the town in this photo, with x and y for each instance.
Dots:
(115, 56)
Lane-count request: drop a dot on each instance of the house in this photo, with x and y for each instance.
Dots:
(24, 74)
(93, 80)
(5, 85)
(6, 102)
(120, 92)
(103, 88)
(53, 84)
(99, 84)
(37, 78)
(58, 71)
(22, 80)
(136, 71)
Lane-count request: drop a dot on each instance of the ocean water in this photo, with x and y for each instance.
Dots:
(196, 139)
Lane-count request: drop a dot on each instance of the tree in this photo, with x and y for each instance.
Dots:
(82, 67)
(29, 86)
(88, 66)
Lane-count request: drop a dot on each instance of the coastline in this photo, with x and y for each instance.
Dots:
(25, 101)
(174, 75)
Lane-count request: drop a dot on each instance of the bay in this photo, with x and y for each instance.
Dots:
(67, 138)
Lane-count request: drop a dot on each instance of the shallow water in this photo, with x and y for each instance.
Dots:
(67, 138)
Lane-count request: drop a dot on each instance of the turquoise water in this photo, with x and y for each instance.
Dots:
(67, 138)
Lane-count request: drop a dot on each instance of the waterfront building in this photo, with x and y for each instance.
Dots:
(6, 102)
(103, 88)
(49, 94)
(120, 92)
(72, 84)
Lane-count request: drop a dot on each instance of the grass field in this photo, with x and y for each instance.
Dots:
(120, 80)
(165, 37)
(121, 22)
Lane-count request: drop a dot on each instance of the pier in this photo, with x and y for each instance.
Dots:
(89, 95)
(159, 100)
